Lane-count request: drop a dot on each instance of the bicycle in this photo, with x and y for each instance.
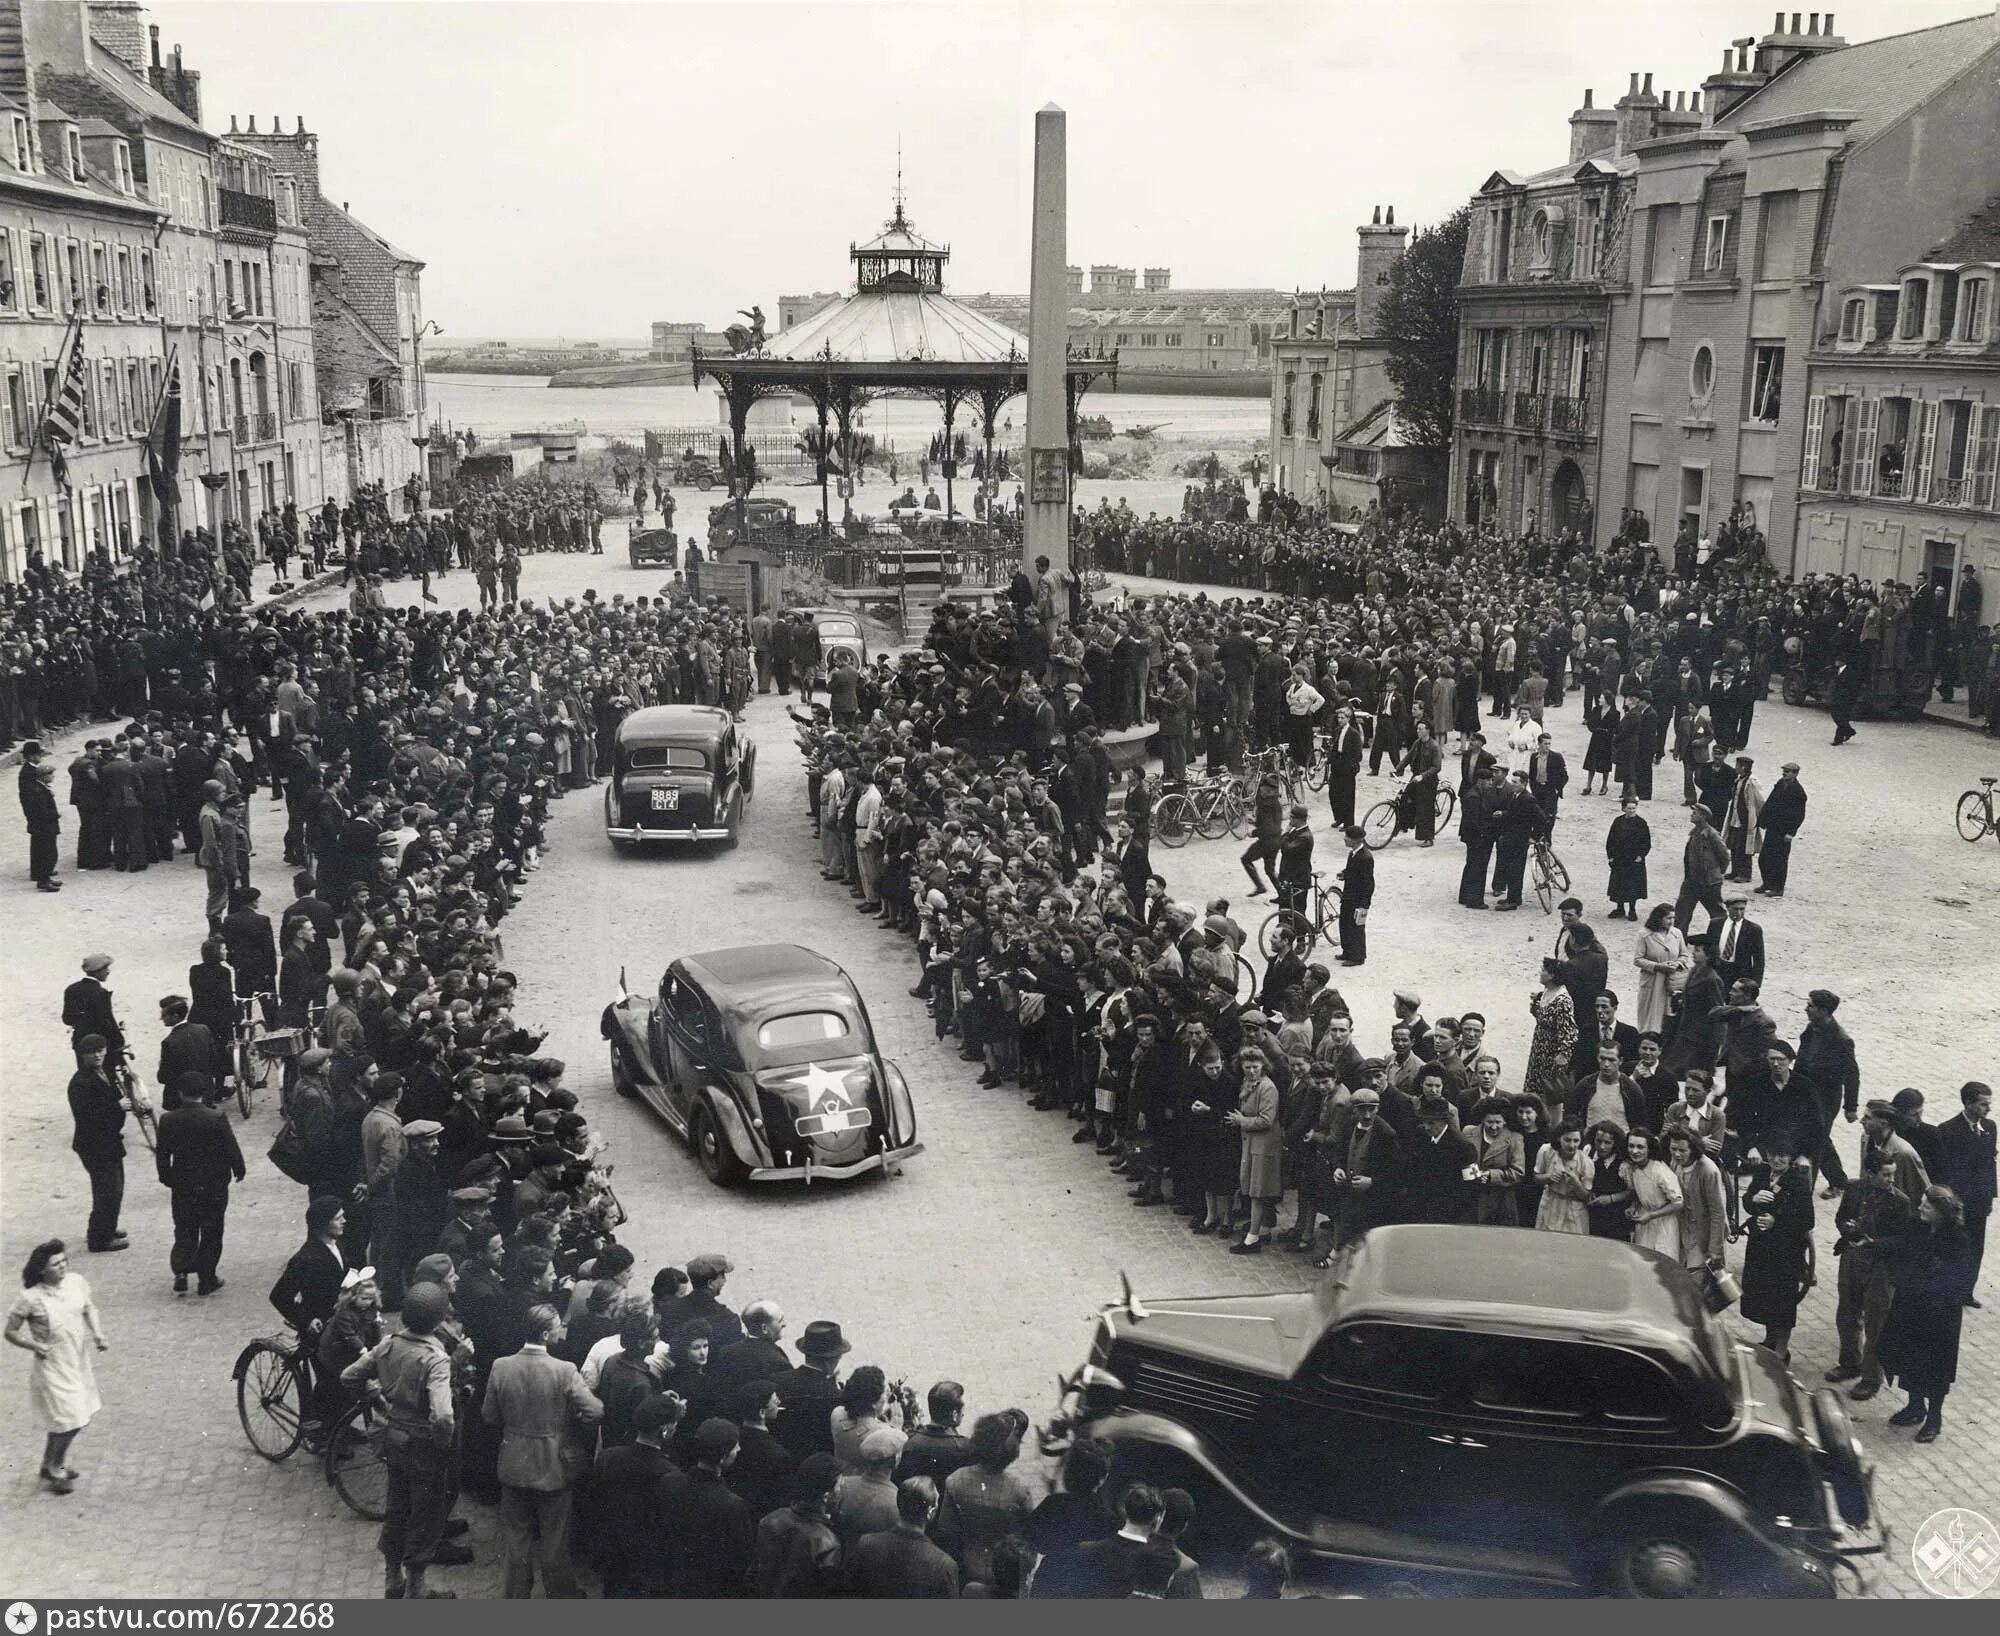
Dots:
(273, 1386)
(1208, 807)
(1275, 758)
(1551, 878)
(259, 1049)
(1976, 820)
(1308, 927)
(1384, 821)
(356, 1464)
(144, 1116)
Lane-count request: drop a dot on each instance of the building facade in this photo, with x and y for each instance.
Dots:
(175, 248)
(1899, 475)
(1821, 166)
(1334, 434)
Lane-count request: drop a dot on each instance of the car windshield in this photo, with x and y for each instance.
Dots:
(679, 757)
(800, 1028)
(839, 627)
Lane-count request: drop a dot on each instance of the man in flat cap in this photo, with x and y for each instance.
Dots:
(703, 1300)
(1739, 941)
(217, 853)
(419, 1207)
(44, 817)
(1782, 817)
(1744, 817)
(87, 1010)
(97, 1107)
(1704, 864)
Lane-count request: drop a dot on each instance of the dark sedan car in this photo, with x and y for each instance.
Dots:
(764, 1060)
(1492, 1406)
(680, 772)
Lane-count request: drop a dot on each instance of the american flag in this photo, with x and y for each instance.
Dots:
(64, 419)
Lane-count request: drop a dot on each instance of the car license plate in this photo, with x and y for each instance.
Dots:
(667, 799)
(833, 1121)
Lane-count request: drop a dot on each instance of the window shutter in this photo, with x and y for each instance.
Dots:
(1986, 458)
(1815, 424)
(1868, 413)
(1926, 447)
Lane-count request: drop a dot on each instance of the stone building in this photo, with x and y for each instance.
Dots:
(1334, 435)
(1821, 166)
(119, 207)
(367, 322)
(1901, 454)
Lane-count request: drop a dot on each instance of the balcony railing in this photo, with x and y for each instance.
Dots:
(247, 210)
(1569, 417)
(1529, 409)
(267, 425)
(1950, 491)
(1889, 485)
(1479, 403)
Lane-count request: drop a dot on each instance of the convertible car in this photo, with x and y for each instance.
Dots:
(763, 1059)
(681, 772)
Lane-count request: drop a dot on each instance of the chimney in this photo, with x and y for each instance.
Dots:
(118, 26)
(1592, 130)
(1736, 80)
(1784, 46)
(1638, 115)
(153, 39)
(1382, 246)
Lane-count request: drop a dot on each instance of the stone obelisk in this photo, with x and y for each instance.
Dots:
(1046, 482)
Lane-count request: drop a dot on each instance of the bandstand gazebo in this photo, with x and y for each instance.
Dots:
(897, 335)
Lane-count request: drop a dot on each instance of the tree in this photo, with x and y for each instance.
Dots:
(1419, 317)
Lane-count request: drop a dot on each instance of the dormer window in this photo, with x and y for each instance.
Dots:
(23, 160)
(73, 144)
(1544, 238)
(1975, 300)
(1915, 308)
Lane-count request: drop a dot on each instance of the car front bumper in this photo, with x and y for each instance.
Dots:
(812, 1172)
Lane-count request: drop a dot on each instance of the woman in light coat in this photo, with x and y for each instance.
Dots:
(1502, 1161)
(1261, 1164)
(1663, 963)
(1655, 1210)
(1564, 1170)
(1703, 1221)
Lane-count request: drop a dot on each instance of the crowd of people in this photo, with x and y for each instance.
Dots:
(963, 793)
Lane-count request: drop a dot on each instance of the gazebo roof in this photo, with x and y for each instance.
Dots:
(900, 326)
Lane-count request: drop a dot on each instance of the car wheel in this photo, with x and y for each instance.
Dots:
(718, 1163)
(621, 1073)
(1662, 1553)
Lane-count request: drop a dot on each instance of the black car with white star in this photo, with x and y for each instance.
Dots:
(764, 1060)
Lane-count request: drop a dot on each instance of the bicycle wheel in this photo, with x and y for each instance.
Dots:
(1174, 820)
(1317, 774)
(1304, 934)
(246, 1062)
(1545, 892)
(1380, 824)
(270, 1399)
(1211, 820)
(1447, 804)
(1558, 875)
(1973, 822)
(1246, 981)
(1235, 813)
(354, 1461)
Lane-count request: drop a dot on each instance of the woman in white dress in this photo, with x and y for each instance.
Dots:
(1655, 1210)
(1564, 1170)
(55, 1319)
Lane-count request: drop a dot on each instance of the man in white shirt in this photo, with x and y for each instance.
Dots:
(868, 842)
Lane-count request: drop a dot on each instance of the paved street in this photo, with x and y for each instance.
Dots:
(985, 1260)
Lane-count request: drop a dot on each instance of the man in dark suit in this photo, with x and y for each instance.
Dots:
(710, 1534)
(1739, 942)
(1106, 1569)
(197, 1159)
(1478, 826)
(1473, 760)
(97, 1107)
(1780, 818)
(87, 1010)
(86, 794)
(632, 1491)
(1965, 1143)
(271, 732)
(1516, 819)
(901, 1562)
(309, 905)
(1357, 892)
(253, 947)
(38, 806)
(188, 1048)
(1431, 1185)
(811, 1392)
(124, 808)
(1548, 777)
(757, 1356)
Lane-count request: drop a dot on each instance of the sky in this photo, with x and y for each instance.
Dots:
(581, 169)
